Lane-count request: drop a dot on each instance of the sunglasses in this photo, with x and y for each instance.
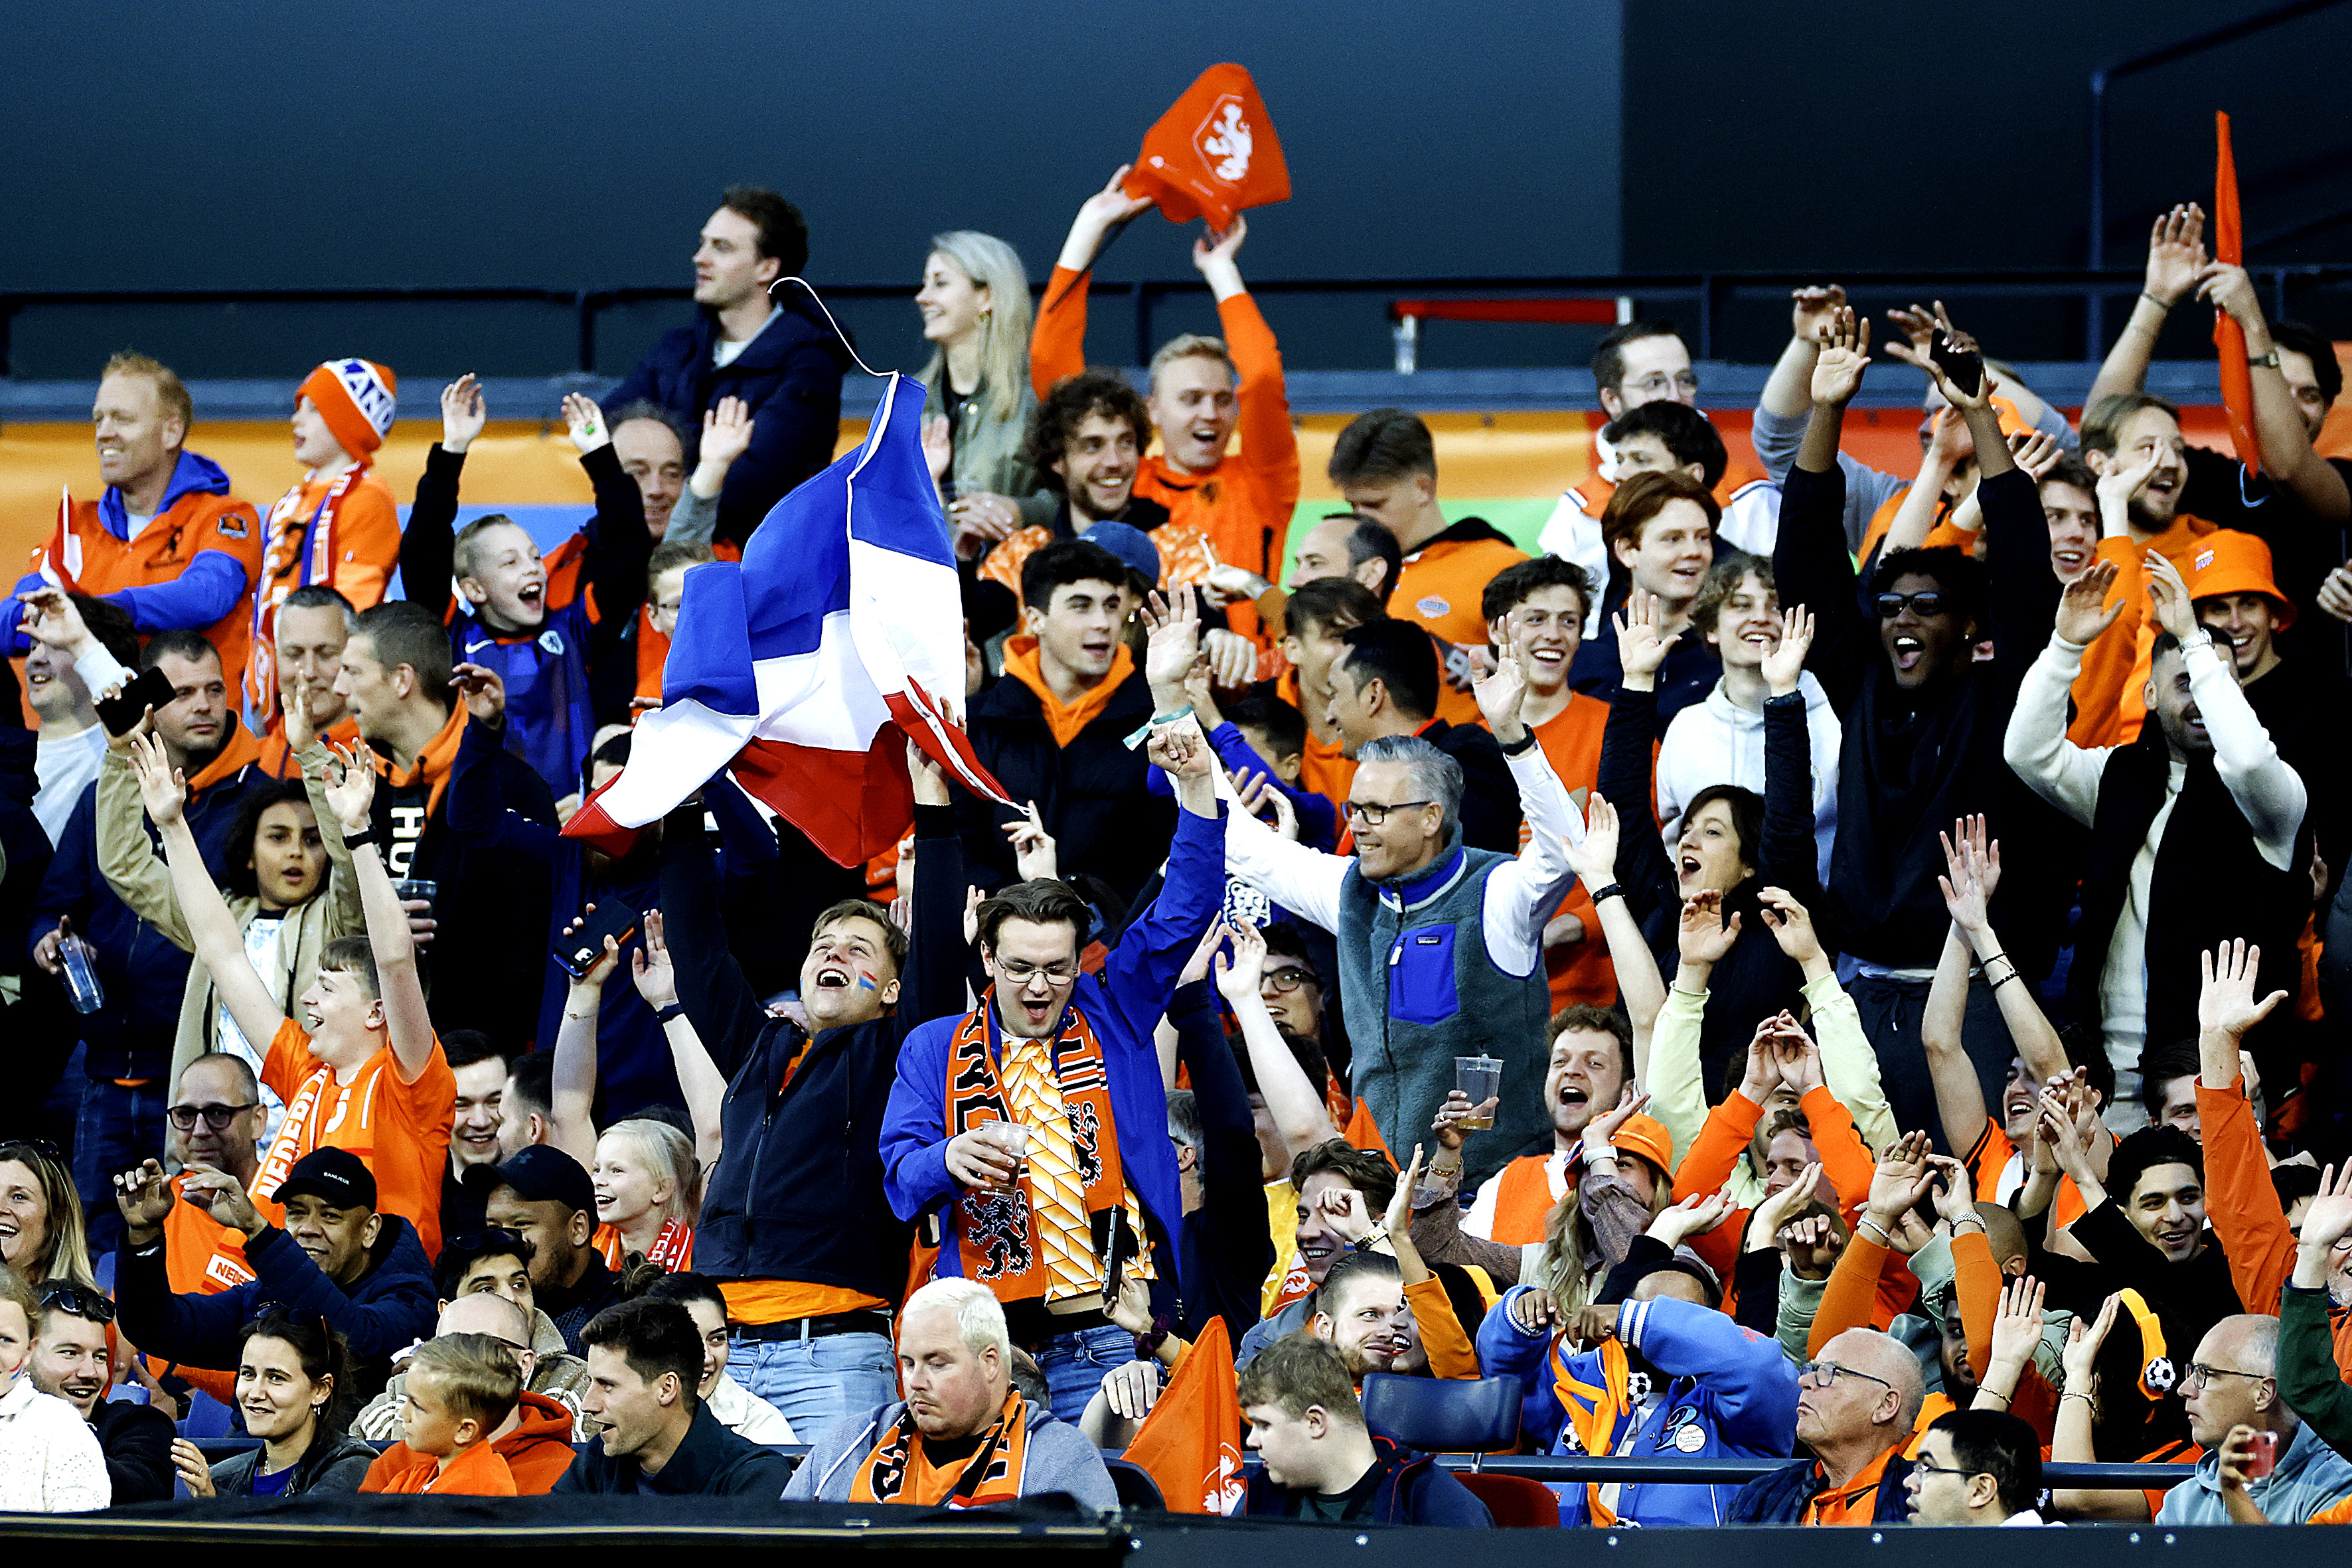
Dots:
(489, 1242)
(79, 1301)
(216, 1117)
(1926, 602)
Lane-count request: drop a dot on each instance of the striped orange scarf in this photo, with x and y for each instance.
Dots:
(896, 1472)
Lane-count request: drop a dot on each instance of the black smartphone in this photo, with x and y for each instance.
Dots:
(611, 917)
(1966, 370)
(152, 688)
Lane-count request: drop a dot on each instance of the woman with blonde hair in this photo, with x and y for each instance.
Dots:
(42, 1234)
(975, 307)
(648, 1190)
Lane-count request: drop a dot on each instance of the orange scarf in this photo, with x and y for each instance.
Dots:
(1596, 1414)
(994, 1233)
(433, 763)
(239, 749)
(673, 1249)
(1024, 663)
(896, 1470)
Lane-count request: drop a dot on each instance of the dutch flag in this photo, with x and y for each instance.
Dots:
(804, 668)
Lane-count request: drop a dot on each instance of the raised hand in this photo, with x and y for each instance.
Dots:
(223, 1196)
(1791, 925)
(2226, 1003)
(2035, 451)
(1763, 1075)
(2169, 595)
(1231, 659)
(650, 965)
(1534, 1310)
(1900, 1181)
(1809, 1247)
(1641, 635)
(2081, 1357)
(1500, 692)
(1398, 1220)
(1097, 216)
(2084, 613)
(1175, 640)
(2176, 254)
(1196, 968)
(484, 691)
(1342, 1208)
(1239, 977)
(1594, 861)
(1212, 251)
(163, 788)
(350, 786)
(1182, 750)
(144, 1196)
(1799, 1059)
(1259, 795)
(1915, 330)
(1786, 662)
(2119, 483)
(726, 432)
(1953, 1191)
(1810, 310)
(2328, 1220)
(1035, 857)
(2017, 1326)
(1962, 343)
(1845, 355)
(584, 422)
(1695, 1215)
(463, 414)
(1972, 861)
(1764, 1222)
(1600, 1132)
(1705, 936)
(55, 619)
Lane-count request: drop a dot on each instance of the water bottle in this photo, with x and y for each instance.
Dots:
(79, 965)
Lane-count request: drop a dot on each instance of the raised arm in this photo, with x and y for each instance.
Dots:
(2239, 1195)
(2270, 794)
(2035, 745)
(1526, 890)
(2176, 256)
(2287, 454)
(218, 943)
(572, 1087)
(1057, 344)
(698, 1079)
(1809, 556)
(1639, 986)
(351, 789)
(1301, 1116)
(1973, 863)
(428, 544)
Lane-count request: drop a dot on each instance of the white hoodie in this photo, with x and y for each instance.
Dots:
(1719, 742)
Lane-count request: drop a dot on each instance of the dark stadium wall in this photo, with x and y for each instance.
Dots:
(280, 145)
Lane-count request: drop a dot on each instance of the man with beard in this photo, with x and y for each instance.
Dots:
(2201, 800)
(1664, 1373)
(73, 1359)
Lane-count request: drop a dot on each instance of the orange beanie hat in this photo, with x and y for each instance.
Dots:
(354, 397)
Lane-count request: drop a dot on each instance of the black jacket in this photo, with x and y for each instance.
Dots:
(1225, 1249)
(1090, 793)
(1490, 796)
(1912, 763)
(1403, 1487)
(334, 1464)
(571, 1308)
(790, 376)
(709, 1460)
(798, 1194)
(138, 1442)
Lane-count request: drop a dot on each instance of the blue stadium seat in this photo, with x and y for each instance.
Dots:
(1134, 1485)
(1444, 1416)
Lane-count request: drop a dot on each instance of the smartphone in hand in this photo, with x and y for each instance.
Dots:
(152, 688)
(1965, 368)
(579, 951)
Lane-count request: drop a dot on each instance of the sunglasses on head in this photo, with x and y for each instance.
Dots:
(80, 1301)
(1926, 602)
(489, 1242)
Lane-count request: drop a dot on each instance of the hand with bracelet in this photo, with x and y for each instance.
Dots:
(2081, 1357)
(1972, 863)
(1600, 1132)
(1901, 1180)
(2016, 1334)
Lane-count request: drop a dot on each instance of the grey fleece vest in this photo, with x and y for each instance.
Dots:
(1420, 989)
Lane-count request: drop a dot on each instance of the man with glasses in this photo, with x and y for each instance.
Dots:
(1977, 1467)
(1035, 1127)
(2233, 1391)
(1856, 1402)
(216, 1124)
(1440, 946)
(73, 1358)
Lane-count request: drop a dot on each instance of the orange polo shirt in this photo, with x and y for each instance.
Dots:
(1855, 1503)
(398, 1128)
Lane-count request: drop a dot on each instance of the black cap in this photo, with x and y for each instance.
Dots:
(338, 1176)
(539, 1174)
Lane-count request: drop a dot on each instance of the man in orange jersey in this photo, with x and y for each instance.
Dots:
(367, 1074)
(166, 539)
(1202, 390)
(1592, 1062)
(1385, 465)
(339, 528)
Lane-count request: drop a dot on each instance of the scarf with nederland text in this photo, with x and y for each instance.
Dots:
(993, 1475)
(995, 1234)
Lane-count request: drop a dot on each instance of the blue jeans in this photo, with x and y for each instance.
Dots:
(1075, 1365)
(117, 1128)
(816, 1381)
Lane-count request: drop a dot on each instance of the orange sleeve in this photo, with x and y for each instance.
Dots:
(1976, 1281)
(2100, 716)
(1269, 447)
(1845, 1160)
(367, 542)
(1722, 1139)
(1850, 1301)
(2240, 1199)
(289, 1059)
(1449, 1351)
(1988, 1159)
(1057, 344)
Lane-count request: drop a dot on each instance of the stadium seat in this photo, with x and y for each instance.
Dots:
(1444, 1416)
(1134, 1485)
(1517, 1502)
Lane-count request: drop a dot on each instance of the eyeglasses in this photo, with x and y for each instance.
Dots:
(1657, 383)
(2201, 1377)
(1825, 1375)
(1924, 1463)
(1373, 815)
(1926, 602)
(1287, 979)
(76, 1300)
(216, 1117)
(1015, 972)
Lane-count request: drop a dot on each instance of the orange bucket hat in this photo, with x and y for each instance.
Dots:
(2229, 561)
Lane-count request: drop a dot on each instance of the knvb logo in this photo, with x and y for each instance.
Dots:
(1224, 139)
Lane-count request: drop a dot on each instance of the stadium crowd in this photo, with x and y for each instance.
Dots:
(1818, 966)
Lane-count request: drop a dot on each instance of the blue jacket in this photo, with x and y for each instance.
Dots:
(143, 973)
(1319, 819)
(205, 592)
(1731, 1387)
(391, 1308)
(1412, 1489)
(1125, 1003)
(790, 376)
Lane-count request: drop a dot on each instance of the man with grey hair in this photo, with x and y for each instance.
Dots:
(964, 1436)
(1857, 1403)
(2231, 1393)
(1439, 945)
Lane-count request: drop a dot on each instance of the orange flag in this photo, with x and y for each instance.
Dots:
(1192, 1441)
(1363, 1132)
(1213, 154)
(2229, 338)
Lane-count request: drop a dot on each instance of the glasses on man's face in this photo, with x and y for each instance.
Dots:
(1825, 1375)
(1658, 384)
(1926, 602)
(216, 1117)
(1372, 814)
(2201, 1377)
(1932, 1469)
(1287, 979)
(1016, 972)
(78, 1302)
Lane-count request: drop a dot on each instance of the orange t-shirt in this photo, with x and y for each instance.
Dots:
(789, 1301)
(1855, 1503)
(1441, 586)
(1570, 740)
(202, 1256)
(477, 1471)
(2109, 693)
(399, 1129)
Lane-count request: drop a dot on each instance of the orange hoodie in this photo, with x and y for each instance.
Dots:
(1067, 720)
(477, 1471)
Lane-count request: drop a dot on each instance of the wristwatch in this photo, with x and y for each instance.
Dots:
(2270, 359)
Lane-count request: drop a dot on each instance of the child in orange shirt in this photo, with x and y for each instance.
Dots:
(460, 1387)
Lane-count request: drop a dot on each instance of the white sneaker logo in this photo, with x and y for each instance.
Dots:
(1224, 139)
